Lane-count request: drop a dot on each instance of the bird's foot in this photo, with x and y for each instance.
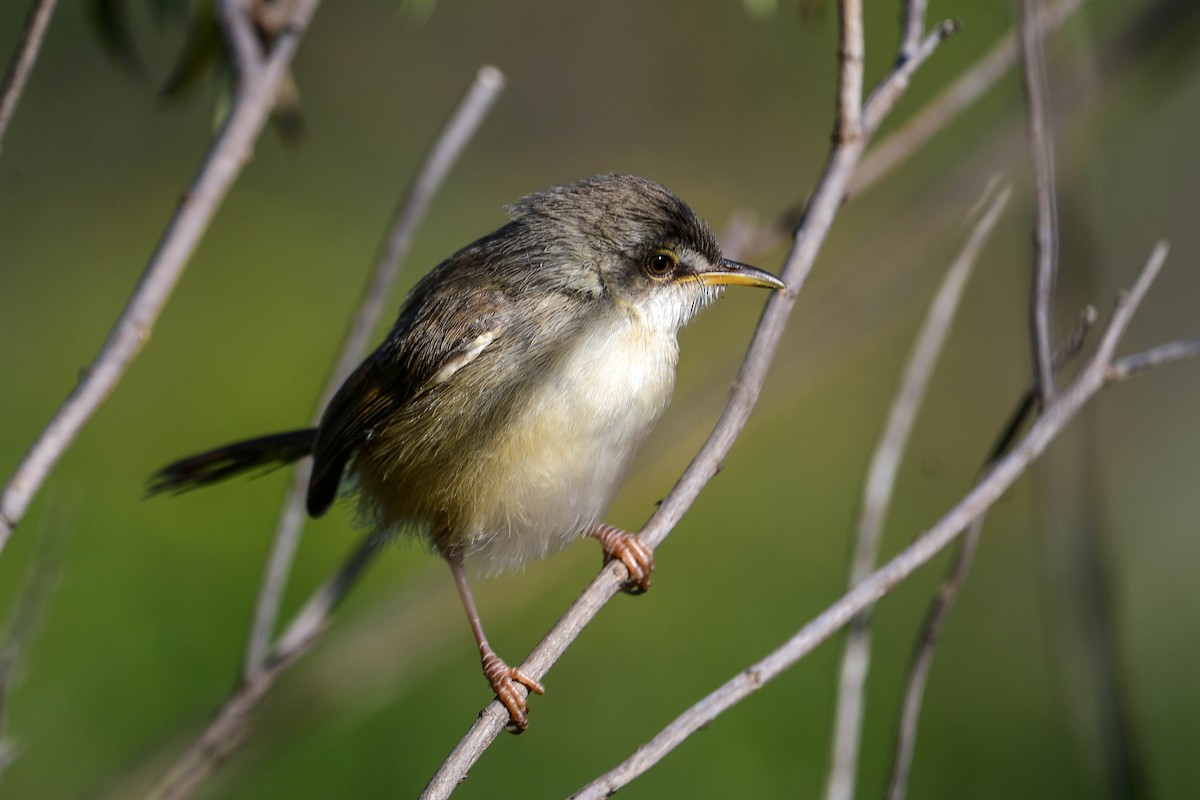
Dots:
(630, 551)
(504, 680)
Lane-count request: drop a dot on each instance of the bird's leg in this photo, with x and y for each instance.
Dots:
(630, 551)
(501, 676)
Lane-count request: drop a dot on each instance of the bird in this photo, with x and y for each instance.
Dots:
(500, 415)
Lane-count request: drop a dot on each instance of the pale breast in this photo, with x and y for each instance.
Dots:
(549, 476)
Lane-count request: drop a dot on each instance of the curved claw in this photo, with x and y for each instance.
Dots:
(630, 551)
(504, 680)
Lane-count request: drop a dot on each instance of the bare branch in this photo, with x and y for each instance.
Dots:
(21, 67)
(848, 125)
(1163, 354)
(912, 27)
(461, 126)
(953, 100)
(819, 215)
(1041, 154)
(222, 164)
(994, 484)
(877, 494)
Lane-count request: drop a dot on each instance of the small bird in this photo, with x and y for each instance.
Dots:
(502, 412)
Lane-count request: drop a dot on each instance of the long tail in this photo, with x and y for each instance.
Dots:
(265, 453)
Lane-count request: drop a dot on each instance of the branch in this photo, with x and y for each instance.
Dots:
(953, 100)
(222, 164)
(1065, 406)
(820, 212)
(1041, 154)
(877, 494)
(464, 121)
(20, 68)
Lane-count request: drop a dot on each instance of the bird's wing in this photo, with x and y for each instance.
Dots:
(436, 336)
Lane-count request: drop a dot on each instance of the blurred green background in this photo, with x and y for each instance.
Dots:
(733, 111)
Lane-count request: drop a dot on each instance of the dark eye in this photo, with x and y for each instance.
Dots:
(660, 265)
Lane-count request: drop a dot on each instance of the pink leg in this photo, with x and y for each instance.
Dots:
(630, 551)
(503, 678)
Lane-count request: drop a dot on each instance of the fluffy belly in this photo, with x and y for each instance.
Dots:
(548, 477)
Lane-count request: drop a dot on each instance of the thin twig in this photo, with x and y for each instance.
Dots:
(877, 494)
(914, 134)
(820, 212)
(1041, 155)
(918, 673)
(222, 164)
(912, 27)
(994, 484)
(461, 126)
(952, 101)
(21, 67)
(28, 611)
(1178, 350)
(956, 575)
(227, 730)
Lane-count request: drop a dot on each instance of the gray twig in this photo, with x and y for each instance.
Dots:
(21, 67)
(877, 493)
(222, 164)
(952, 101)
(1041, 155)
(1055, 416)
(456, 133)
(1178, 350)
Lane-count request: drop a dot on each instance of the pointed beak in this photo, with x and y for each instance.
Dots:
(733, 273)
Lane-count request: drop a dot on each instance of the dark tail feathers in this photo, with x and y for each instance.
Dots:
(265, 453)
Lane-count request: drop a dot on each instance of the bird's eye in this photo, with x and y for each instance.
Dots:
(660, 264)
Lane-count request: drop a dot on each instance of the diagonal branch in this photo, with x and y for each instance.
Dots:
(21, 67)
(1055, 417)
(877, 494)
(229, 152)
